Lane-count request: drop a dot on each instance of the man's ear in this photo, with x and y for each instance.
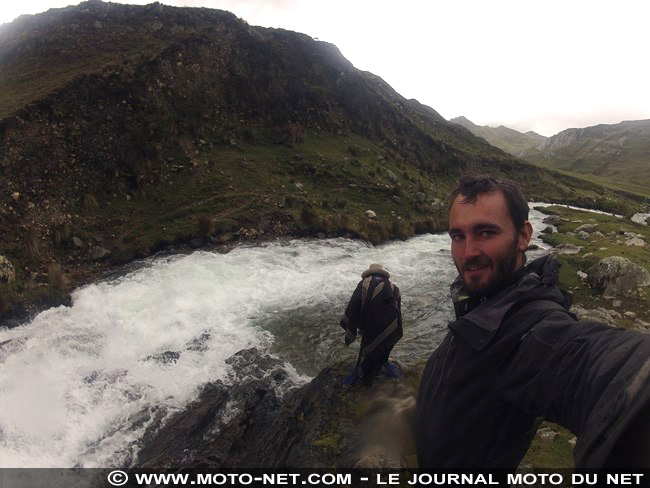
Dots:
(525, 235)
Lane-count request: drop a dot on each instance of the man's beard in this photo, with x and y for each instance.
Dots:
(504, 273)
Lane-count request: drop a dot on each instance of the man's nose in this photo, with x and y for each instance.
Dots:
(472, 247)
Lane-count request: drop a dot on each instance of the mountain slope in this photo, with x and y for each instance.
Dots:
(619, 152)
(510, 140)
(125, 130)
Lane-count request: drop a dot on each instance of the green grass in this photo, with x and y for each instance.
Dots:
(593, 250)
(634, 187)
(554, 453)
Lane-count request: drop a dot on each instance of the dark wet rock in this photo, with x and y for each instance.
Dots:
(259, 417)
(165, 357)
(549, 229)
(199, 343)
(100, 253)
(617, 277)
(532, 247)
(197, 242)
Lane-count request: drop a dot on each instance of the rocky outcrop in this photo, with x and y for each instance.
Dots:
(598, 314)
(262, 418)
(617, 277)
(7, 273)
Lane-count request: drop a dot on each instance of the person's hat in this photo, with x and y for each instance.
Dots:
(375, 268)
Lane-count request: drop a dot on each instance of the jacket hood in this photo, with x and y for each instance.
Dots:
(479, 320)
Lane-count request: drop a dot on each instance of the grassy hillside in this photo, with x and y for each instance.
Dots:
(619, 152)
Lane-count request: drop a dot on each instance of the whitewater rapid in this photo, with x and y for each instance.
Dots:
(79, 385)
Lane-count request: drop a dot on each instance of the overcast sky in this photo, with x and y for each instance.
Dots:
(530, 65)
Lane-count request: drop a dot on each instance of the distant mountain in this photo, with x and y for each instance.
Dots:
(619, 152)
(509, 140)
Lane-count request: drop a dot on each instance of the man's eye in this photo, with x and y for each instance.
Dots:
(486, 234)
(456, 237)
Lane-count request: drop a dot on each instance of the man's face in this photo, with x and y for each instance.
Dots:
(486, 248)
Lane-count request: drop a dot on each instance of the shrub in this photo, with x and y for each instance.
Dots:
(31, 243)
(310, 218)
(425, 226)
(400, 229)
(4, 305)
(61, 234)
(204, 224)
(56, 278)
(377, 232)
(89, 202)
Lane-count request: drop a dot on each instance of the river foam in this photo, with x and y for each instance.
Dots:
(80, 384)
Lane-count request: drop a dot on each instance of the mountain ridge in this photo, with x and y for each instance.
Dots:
(505, 138)
(620, 152)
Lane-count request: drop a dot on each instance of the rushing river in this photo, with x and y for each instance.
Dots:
(75, 382)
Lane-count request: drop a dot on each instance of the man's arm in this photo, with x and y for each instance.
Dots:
(588, 377)
(350, 320)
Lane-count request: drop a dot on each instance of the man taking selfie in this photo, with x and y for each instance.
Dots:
(515, 355)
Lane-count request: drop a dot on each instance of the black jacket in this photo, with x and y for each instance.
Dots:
(520, 357)
(375, 310)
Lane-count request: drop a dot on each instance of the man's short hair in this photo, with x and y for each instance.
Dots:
(471, 186)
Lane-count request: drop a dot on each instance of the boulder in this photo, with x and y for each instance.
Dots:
(553, 220)
(420, 197)
(263, 415)
(7, 272)
(617, 276)
(438, 204)
(197, 242)
(635, 241)
(391, 176)
(370, 214)
(547, 434)
(599, 314)
(100, 253)
(589, 228)
(76, 242)
(549, 229)
(566, 248)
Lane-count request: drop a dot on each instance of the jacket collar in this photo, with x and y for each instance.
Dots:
(478, 319)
